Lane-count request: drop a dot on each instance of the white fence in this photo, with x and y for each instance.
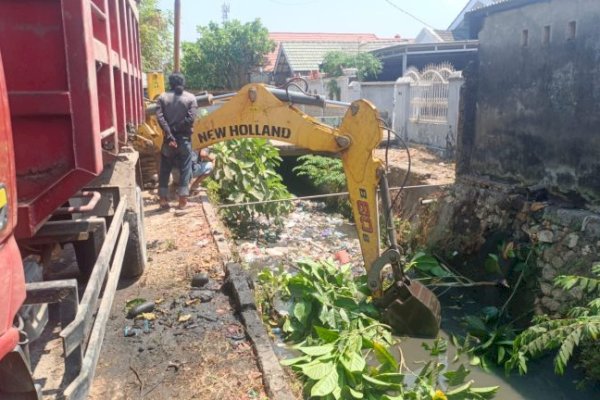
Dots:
(426, 106)
(429, 93)
(422, 106)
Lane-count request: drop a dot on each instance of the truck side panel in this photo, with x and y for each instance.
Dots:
(73, 75)
(12, 281)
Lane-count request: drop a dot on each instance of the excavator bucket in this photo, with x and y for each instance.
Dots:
(411, 309)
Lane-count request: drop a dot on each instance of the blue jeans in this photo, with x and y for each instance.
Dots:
(180, 158)
(201, 168)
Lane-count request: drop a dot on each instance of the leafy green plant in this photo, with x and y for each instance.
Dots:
(427, 266)
(344, 349)
(439, 346)
(367, 65)
(580, 326)
(334, 91)
(326, 174)
(245, 171)
(155, 36)
(224, 55)
(488, 340)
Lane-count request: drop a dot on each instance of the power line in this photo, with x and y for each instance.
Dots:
(409, 14)
(319, 196)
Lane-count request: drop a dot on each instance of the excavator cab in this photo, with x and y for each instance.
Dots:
(259, 111)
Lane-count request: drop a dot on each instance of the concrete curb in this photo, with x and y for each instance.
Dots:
(217, 229)
(241, 286)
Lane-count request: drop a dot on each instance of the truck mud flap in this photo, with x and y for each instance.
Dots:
(83, 334)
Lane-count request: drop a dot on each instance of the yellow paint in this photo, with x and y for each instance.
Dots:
(255, 113)
(3, 197)
(149, 135)
(156, 84)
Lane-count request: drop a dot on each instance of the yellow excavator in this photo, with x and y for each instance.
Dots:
(259, 111)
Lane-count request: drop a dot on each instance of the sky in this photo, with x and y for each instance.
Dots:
(340, 16)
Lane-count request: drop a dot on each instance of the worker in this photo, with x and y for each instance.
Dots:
(202, 166)
(176, 113)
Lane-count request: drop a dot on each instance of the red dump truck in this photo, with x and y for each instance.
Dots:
(70, 93)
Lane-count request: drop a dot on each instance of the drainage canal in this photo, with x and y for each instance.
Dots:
(313, 231)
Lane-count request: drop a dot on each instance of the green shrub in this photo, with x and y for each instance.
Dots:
(581, 326)
(345, 352)
(245, 172)
(326, 174)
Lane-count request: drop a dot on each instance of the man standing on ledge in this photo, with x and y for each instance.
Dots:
(176, 113)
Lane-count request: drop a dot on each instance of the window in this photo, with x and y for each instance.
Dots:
(525, 38)
(572, 30)
(547, 33)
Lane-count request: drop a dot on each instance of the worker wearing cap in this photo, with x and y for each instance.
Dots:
(176, 113)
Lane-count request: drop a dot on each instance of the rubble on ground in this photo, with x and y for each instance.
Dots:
(308, 232)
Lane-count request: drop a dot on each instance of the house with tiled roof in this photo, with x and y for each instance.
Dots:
(303, 58)
(280, 37)
(313, 43)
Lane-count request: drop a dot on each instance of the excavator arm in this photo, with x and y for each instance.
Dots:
(257, 112)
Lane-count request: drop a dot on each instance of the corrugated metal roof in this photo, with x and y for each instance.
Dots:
(308, 55)
(279, 37)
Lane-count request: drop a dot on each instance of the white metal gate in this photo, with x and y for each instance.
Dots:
(429, 93)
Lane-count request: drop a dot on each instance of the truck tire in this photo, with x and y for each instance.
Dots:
(136, 256)
(16, 380)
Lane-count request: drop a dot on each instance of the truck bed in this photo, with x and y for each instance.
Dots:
(73, 75)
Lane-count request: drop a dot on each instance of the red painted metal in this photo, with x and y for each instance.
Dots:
(72, 69)
(94, 198)
(12, 281)
(12, 293)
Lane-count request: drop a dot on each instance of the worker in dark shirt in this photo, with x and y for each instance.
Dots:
(176, 113)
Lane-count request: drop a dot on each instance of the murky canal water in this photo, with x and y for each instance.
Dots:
(311, 232)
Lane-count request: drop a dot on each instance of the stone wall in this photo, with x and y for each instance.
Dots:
(474, 217)
(536, 88)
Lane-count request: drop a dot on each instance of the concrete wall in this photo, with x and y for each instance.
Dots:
(429, 134)
(442, 136)
(528, 162)
(532, 112)
(392, 99)
(381, 94)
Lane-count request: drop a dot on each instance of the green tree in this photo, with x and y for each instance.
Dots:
(368, 66)
(155, 36)
(225, 55)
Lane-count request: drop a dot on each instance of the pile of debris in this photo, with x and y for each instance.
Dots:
(308, 232)
(193, 314)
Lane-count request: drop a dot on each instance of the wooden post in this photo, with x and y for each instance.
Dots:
(176, 66)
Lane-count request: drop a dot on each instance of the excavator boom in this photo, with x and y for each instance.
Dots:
(258, 111)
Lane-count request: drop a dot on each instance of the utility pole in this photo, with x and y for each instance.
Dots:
(177, 36)
(225, 8)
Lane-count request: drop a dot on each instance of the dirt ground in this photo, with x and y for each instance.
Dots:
(194, 349)
(428, 166)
